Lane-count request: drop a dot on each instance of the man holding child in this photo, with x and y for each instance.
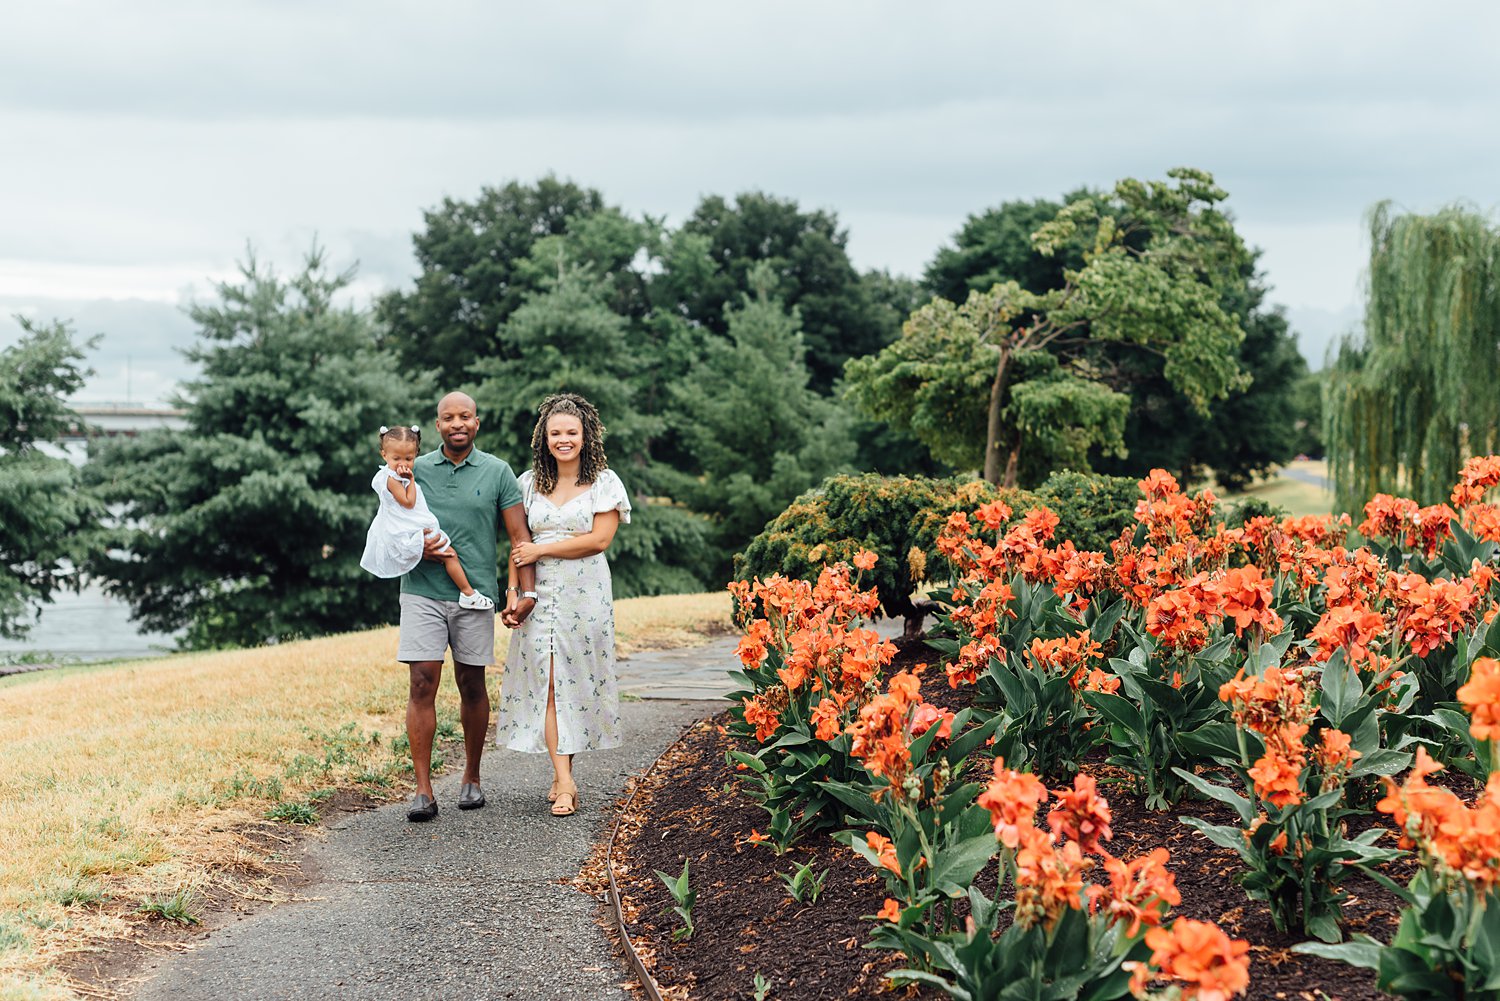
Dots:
(471, 492)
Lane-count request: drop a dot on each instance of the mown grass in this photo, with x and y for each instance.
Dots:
(127, 789)
(1298, 497)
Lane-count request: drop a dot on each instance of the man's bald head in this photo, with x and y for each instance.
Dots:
(457, 424)
(457, 400)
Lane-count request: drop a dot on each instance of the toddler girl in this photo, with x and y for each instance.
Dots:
(394, 543)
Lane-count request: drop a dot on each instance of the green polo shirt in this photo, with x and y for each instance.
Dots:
(467, 500)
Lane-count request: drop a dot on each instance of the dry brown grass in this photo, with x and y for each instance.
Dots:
(135, 781)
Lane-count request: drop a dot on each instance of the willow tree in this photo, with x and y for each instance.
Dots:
(1025, 380)
(1409, 401)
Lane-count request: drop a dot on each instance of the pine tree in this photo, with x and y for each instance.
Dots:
(757, 433)
(46, 521)
(248, 526)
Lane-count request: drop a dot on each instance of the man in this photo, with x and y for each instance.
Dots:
(470, 492)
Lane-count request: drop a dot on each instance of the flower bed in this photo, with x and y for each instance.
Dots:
(1265, 682)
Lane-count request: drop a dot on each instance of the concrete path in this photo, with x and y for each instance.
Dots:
(698, 672)
(473, 905)
(1306, 476)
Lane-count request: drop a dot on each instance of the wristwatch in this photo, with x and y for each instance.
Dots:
(528, 594)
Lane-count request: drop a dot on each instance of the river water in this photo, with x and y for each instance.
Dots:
(83, 627)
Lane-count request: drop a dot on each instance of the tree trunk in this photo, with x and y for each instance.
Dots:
(992, 433)
(1012, 467)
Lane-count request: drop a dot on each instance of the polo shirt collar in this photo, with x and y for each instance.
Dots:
(440, 457)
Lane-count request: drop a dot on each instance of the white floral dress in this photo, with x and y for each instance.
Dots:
(572, 629)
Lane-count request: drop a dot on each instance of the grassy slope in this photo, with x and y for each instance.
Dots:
(130, 781)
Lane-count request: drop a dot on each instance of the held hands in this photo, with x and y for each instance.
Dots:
(517, 610)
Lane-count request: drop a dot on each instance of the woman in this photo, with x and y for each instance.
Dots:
(558, 693)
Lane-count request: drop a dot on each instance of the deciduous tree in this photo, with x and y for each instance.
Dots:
(1155, 261)
(1414, 396)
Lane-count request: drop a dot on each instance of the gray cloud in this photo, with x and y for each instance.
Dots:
(147, 144)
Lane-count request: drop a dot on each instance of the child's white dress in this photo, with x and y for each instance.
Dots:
(394, 543)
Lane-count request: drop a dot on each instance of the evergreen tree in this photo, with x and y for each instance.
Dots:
(1409, 401)
(47, 524)
(248, 526)
(566, 338)
(757, 433)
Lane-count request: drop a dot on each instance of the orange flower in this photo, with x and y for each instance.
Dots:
(1210, 965)
(925, 714)
(752, 646)
(1066, 653)
(993, 515)
(1334, 750)
(1244, 595)
(764, 714)
(885, 851)
(1483, 521)
(825, 719)
(890, 911)
(1141, 891)
(864, 560)
(1354, 628)
(1049, 878)
(1386, 516)
(1481, 696)
(1012, 798)
(1478, 475)
(1174, 618)
(1081, 814)
(1278, 773)
(1159, 484)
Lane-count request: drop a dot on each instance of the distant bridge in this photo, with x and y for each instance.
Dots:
(120, 420)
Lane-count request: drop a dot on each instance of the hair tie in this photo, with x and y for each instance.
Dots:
(384, 430)
(416, 429)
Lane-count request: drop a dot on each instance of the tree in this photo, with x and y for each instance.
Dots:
(843, 315)
(247, 527)
(565, 337)
(1416, 395)
(477, 268)
(757, 432)
(1248, 433)
(46, 522)
(1155, 259)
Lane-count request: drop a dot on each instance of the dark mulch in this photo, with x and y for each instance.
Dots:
(747, 923)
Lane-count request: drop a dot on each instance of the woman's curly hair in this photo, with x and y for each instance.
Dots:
(591, 462)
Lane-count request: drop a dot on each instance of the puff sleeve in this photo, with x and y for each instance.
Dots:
(610, 495)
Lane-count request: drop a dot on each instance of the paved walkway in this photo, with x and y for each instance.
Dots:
(473, 905)
(1306, 476)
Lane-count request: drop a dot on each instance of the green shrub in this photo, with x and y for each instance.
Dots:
(899, 518)
(1092, 510)
(889, 515)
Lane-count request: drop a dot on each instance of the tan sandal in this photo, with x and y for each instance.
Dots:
(566, 803)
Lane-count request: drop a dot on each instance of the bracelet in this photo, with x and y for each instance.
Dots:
(528, 594)
(513, 590)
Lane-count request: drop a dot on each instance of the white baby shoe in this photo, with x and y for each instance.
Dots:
(476, 601)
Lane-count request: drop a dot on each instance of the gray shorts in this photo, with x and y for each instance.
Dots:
(429, 627)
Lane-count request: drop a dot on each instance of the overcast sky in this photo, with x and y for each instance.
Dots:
(144, 145)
